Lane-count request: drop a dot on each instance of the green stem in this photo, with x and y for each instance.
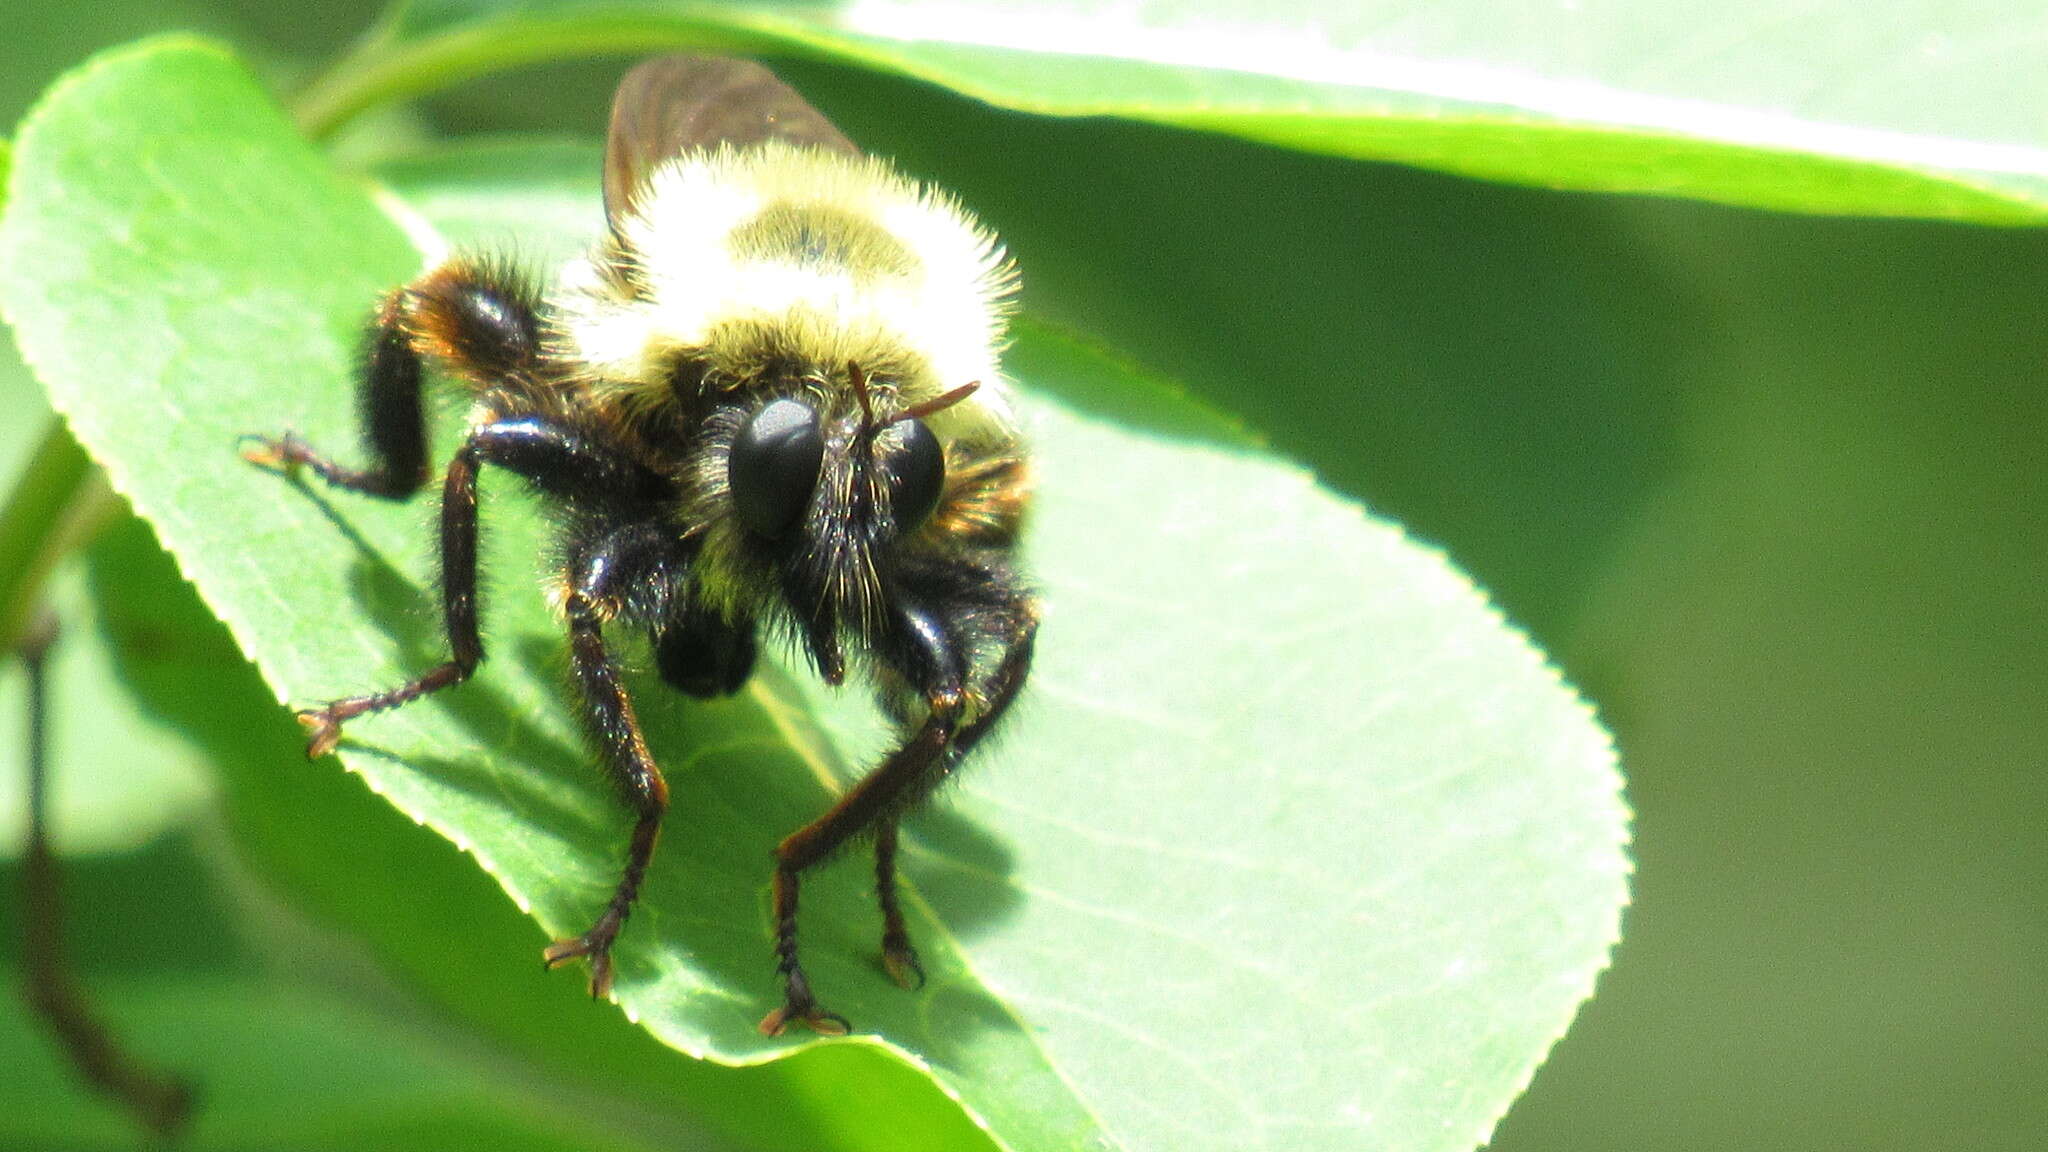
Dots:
(385, 68)
(57, 505)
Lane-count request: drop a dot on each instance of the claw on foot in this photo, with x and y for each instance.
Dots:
(576, 947)
(323, 731)
(809, 1015)
(899, 959)
(266, 453)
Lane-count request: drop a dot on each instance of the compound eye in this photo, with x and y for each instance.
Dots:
(917, 475)
(774, 467)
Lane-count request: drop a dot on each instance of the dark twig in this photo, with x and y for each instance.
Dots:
(160, 1102)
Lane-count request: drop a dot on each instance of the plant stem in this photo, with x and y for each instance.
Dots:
(161, 1103)
(385, 67)
(58, 504)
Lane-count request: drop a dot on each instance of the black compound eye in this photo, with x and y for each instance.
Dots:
(774, 467)
(917, 474)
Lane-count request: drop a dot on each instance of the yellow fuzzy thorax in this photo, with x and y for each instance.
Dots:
(743, 264)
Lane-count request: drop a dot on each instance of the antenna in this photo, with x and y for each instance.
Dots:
(860, 391)
(937, 403)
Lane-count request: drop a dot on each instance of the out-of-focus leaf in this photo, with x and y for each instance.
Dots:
(280, 1052)
(1920, 114)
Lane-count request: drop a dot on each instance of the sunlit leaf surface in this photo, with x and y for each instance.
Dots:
(1293, 844)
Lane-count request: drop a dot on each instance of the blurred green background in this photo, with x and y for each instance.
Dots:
(1773, 490)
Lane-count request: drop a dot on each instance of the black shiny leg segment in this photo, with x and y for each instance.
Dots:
(603, 576)
(393, 418)
(546, 455)
(567, 464)
(458, 614)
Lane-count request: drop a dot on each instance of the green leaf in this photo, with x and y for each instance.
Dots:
(441, 929)
(194, 967)
(132, 779)
(1293, 842)
(284, 1051)
(1822, 113)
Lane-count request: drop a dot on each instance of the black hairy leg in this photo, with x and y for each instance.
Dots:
(482, 322)
(555, 459)
(394, 422)
(604, 578)
(458, 615)
(480, 319)
(899, 956)
(928, 649)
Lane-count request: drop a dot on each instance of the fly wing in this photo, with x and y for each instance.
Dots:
(671, 104)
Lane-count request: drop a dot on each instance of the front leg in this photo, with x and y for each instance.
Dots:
(927, 650)
(911, 770)
(1016, 629)
(899, 957)
(601, 578)
(609, 713)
